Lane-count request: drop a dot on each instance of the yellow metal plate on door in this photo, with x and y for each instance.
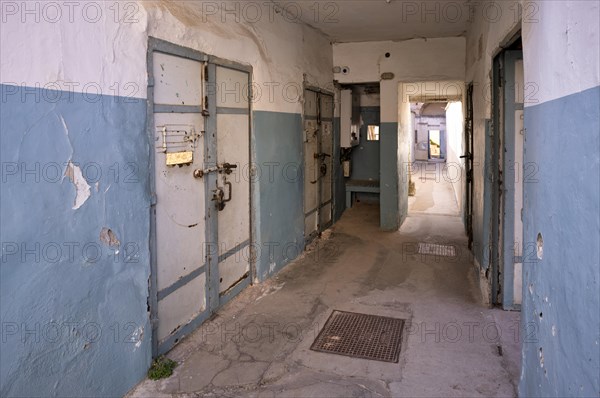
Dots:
(180, 158)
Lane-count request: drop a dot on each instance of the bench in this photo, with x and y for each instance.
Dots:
(353, 186)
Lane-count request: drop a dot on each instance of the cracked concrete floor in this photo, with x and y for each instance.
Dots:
(258, 345)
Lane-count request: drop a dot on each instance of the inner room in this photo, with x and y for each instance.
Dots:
(360, 118)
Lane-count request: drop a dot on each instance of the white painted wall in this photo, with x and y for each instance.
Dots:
(75, 46)
(369, 100)
(93, 46)
(455, 149)
(280, 49)
(572, 52)
(414, 60)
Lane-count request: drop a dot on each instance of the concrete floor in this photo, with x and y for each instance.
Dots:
(258, 344)
(435, 194)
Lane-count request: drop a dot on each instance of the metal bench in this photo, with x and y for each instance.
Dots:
(353, 186)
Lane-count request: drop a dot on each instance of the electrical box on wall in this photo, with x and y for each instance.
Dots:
(349, 128)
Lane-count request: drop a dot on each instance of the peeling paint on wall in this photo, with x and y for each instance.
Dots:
(109, 238)
(82, 188)
(55, 282)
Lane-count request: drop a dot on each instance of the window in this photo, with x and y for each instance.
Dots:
(373, 133)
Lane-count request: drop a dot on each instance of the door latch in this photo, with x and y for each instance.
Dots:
(322, 156)
(226, 168)
(219, 196)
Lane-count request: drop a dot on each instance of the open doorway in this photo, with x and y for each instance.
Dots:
(361, 155)
(437, 128)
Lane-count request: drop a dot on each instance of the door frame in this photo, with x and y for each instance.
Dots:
(211, 264)
(468, 156)
(501, 241)
(496, 175)
(320, 228)
(510, 167)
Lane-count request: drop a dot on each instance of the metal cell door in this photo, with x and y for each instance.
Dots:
(199, 120)
(318, 162)
(230, 186)
(179, 270)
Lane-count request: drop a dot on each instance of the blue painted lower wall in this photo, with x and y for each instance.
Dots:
(74, 295)
(278, 145)
(561, 292)
(73, 305)
(389, 161)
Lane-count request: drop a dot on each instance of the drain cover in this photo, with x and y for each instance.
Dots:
(361, 336)
(437, 250)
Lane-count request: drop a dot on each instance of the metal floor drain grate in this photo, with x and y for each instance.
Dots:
(361, 336)
(437, 250)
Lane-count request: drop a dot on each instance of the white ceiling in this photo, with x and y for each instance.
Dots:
(378, 20)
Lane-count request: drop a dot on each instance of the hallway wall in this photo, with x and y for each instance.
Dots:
(410, 61)
(560, 319)
(561, 294)
(75, 165)
(484, 39)
(75, 155)
(455, 166)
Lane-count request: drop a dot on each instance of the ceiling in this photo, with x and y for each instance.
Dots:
(378, 20)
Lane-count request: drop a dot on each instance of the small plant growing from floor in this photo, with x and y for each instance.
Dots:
(162, 367)
(412, 189)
